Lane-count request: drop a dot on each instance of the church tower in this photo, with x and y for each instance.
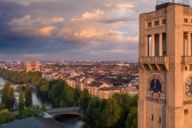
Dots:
(28, 65)
(165, 56)
(37, 65)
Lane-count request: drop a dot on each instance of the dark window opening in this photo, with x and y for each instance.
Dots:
(185, 68)
(185, 36)
(156, 23)
(149, 24)
(186, 111)
(164, 21)
(152, 118)
(159, 119)
(185, 20)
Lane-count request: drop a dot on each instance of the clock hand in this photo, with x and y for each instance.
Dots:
(155, 81)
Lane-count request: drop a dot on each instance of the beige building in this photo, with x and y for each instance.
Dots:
(32, 66)
(106, 93)
(165, 77)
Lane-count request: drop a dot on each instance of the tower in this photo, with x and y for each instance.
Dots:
(28, 65)
(165, 56)
(37, 65)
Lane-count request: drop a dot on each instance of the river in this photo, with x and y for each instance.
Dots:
(70, 121)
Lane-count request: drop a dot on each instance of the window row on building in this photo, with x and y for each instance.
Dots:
(156, 23)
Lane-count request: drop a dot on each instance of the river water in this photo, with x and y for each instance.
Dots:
(70, 121)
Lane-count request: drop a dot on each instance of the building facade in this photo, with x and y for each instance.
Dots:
(32, 66)
(165, 55)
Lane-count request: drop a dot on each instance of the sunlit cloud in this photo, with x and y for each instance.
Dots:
(94, 15)
(120, 5)
(119, 51)
(33, 55)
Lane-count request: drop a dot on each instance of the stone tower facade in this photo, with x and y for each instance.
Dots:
(33, 66)
(165, 56)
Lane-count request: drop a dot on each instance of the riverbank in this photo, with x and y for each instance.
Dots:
(69, 121)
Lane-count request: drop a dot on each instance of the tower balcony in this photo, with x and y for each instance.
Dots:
(159, 63)
(186, 59)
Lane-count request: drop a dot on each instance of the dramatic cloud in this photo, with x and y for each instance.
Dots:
(120, 5)
(96, 14)
(71, 29)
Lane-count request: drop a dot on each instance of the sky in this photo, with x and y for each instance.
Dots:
(71, 29)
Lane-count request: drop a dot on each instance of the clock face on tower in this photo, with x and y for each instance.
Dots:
(156, 86)
(188, 87)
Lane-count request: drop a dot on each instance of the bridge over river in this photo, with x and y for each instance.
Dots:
(64, 111)
(61, 111)
(16, 86)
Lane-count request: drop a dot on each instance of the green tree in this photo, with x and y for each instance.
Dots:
(93, 109)
(7, 96)
(56, 92)
(21, 101)
(11, 98)
(77, 93)
(69, 96)
(42, 81)
(28, 96)
(134, 102)
(111, 113)
(62, 104)
(44, 89)
(131, 121)
(34, 110)
(124, 102)
(84, 100)
(6, 116)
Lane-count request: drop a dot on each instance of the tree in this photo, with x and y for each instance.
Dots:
(44, 89)
(62, 104)
(135, 101)
(42, 81)
(34, 110)
(7, 96)
(21, 101)
(124, 102)
(55, 93)
(11, 98)
(84, 100)
(111, 113)
(28, 96)
(131, 121)
(93, 109)
(6, 116)
(77, 94)
(69, 96)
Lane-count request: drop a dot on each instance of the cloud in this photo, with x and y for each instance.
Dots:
(75, 19)
(56, 20)
(120, 5)
(93, 53)
(120, 14)
(69, 28)
(34, 26)
(119, 51)
(23, 3)
(33, 55)
(94, 15)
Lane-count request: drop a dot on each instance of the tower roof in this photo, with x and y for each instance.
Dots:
(185, 2)
(164, 3)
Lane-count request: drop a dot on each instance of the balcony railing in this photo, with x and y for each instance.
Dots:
(161, 12)
(154, 60)
(187, 59)
(185, 2)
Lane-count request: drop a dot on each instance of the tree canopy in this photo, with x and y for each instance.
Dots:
(6, 116)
